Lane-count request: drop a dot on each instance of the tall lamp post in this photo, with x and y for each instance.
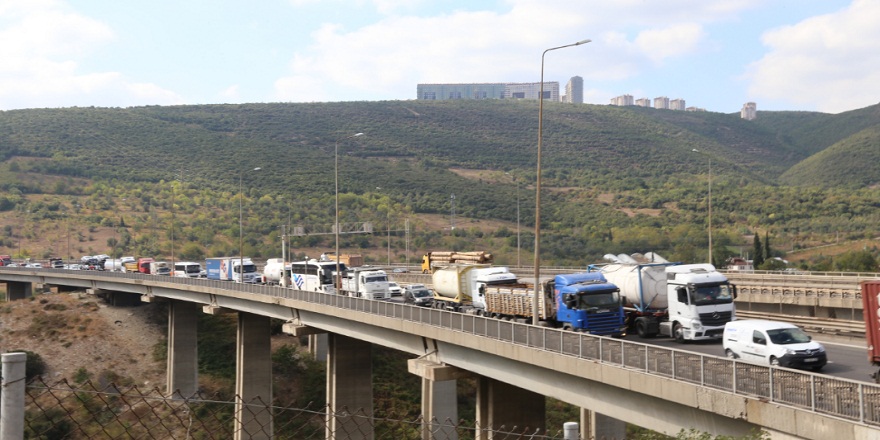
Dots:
(518, 261)
(338, 283)
(240, 224)
(710, 204)
(538, 186)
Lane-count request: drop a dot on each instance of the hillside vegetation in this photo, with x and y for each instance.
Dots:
(616, 179)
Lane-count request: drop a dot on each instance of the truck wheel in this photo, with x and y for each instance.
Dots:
(642, 329)
(730, 354)
(678, 333)
(567, 327)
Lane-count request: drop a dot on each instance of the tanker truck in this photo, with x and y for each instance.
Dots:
(276, 272)
(460, 288)
(688, 302)
(583, 302)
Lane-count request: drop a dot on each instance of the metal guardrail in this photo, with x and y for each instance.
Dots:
(847, 399)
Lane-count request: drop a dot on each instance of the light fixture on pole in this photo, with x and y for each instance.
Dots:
(518, 261)
(240, 224)
(338, 282)
(538, 185)
(710, 204)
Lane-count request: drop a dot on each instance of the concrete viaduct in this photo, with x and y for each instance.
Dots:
(516, 365)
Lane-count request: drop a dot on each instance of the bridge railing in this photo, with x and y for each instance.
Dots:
(846, 399)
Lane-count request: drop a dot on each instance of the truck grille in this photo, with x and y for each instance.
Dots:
(604, 323)
(715, 319)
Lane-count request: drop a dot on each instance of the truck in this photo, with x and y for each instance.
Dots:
(435, 259)
(187, 269)
(349, 260)
(871, 311)
(582, 302)
(276, 272)
(160, 268)
(366, 283)
(141, 265)
(116, 264)
(5, 260)
(229, 269)
(460, 287)
(688, 302)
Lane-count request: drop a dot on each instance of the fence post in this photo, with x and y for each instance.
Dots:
(12, 396)
(571, 431)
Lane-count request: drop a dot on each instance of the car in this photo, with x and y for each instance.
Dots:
(400, 270)
(772, 343)
(34, 265)
(394, 288)
(417, 294)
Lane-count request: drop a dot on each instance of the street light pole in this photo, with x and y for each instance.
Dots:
(538, 186)
(338, 283)
(240, 224)
(710, 205)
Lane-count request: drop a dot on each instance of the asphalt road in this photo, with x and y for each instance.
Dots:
(846, 359)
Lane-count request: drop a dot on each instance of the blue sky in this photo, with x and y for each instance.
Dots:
(813, 55)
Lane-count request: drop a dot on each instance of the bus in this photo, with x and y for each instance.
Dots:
(314, 275)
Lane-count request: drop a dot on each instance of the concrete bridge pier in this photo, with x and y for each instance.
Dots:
(16, 290)
(182, 372)
(595, 425)
(318, 346)
(439, 397)
(507, 408)
(253, 378)
(349, 388)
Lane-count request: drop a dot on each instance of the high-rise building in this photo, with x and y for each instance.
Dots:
(643, 102)
(574, 90)
(749, 111)
(661, 102)
(622, 100)
(677, 104)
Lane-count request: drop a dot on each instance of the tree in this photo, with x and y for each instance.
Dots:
(767, 254)
(758, 259)
(856, 261)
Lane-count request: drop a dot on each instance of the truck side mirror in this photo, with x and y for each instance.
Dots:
(734, 291)
(682, 295)
(570, 300)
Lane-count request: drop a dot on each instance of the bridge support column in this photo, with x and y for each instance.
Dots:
(503, 407)
(439, 398)
(253, 378)
(595, 425)
(349, 388)
(17, 290)
(318, 346)
(182, 372)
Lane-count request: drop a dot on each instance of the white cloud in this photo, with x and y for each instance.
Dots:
(42, 45)
(671, 41)
(490, 46)
(826, 62)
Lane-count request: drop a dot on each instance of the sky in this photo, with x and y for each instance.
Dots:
(808, 55)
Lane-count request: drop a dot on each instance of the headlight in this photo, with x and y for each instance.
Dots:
(789, 351)
(697, 326)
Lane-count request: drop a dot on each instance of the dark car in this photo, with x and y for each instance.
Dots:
(417, 294)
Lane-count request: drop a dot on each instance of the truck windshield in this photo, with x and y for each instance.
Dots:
(707, 294)
(375, 279)
(593, 300)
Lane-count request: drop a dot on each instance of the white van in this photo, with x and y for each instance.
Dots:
(773, 343)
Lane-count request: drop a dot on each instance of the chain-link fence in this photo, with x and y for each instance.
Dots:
(94, 410)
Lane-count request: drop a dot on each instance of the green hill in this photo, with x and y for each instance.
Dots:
(618, 179)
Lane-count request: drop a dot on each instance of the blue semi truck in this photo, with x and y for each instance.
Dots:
(584, 302)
